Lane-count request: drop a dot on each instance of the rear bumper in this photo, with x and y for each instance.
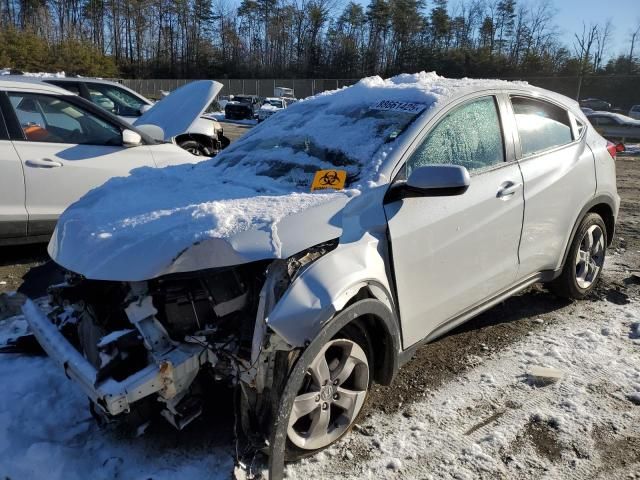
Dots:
(113, 397)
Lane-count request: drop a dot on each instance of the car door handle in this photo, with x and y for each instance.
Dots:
(43, 163)
(507, 189)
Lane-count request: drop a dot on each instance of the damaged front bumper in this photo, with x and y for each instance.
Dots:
(164, 377)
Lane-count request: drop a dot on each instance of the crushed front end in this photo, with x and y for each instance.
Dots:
(152, 345)
(142, 349)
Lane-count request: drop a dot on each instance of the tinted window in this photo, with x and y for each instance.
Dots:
(469, 136)
(115, 99)
(541, 125)
(45, 118)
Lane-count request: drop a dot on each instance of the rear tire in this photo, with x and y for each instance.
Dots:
(585, 260)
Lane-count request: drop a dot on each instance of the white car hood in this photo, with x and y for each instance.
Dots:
(234, 226)
(181, 109)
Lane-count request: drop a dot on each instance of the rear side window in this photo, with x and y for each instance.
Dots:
(541, 125)
(469, 136)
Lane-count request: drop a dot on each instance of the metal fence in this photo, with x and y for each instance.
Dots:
(263, 87)
(621, 90)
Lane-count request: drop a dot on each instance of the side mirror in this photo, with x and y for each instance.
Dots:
(154, 131)
(431, 181)
(131, 138)
(145, 108)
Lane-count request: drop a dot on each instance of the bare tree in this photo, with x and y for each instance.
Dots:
(583, 46)
(602, 41)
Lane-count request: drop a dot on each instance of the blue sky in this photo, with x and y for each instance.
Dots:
(624, 15)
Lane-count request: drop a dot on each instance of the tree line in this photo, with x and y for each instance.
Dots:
(300, 38)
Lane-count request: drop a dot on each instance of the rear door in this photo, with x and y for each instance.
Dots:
(13, 213)
(65, 151)
(559, 177)
(452, 252)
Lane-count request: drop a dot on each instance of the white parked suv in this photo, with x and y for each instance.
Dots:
(56, 146)
(203, 136)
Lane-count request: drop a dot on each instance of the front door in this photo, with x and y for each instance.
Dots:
(452, 252)
(66, 151)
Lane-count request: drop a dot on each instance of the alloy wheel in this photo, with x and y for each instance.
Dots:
(331, 397)
(590, 256)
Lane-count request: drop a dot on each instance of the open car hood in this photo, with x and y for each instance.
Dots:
(178, 111)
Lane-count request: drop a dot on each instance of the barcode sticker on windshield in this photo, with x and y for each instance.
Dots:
(392, 105)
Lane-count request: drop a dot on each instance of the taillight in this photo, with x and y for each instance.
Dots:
(612, 149)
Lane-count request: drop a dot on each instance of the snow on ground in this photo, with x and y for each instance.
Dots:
(495, 422)
(492, 422)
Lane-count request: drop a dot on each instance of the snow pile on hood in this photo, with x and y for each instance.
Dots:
(149, 219)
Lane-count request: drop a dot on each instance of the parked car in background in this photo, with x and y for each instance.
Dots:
(55, 146)
(595, 104)
(204, 136)
(312, 258)
(242, 107)
(615, 127)
(634, 112)
(273, 105)
(586, 110)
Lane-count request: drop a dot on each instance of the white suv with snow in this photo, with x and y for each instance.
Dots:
(312, 257)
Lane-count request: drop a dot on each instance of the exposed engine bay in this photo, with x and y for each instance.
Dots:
(156, 346)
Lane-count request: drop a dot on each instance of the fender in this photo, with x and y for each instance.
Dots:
(326, 286)
(597, 200)
(279, 428)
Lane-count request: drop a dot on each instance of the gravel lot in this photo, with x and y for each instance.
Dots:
(458, 410)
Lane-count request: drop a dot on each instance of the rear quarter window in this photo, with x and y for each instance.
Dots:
(541, 125)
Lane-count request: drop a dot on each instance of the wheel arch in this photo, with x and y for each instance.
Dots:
(198, 137)
(603, 205)
(356, 310)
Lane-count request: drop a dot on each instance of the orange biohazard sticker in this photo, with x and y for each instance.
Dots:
(329, 179)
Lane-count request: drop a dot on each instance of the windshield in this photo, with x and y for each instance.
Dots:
(310, 136)
(274, 102)
(116, 100)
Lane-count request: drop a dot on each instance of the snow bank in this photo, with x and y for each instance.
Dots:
(257, 181)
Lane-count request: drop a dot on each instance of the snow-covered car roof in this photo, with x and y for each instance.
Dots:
(247, 203)
(32, 84)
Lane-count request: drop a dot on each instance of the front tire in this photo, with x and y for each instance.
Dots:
(584, 263)
(332, 395)
(194, 148)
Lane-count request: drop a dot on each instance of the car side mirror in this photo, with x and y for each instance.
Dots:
(144, 108)
(131, 138)
(431, 181)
